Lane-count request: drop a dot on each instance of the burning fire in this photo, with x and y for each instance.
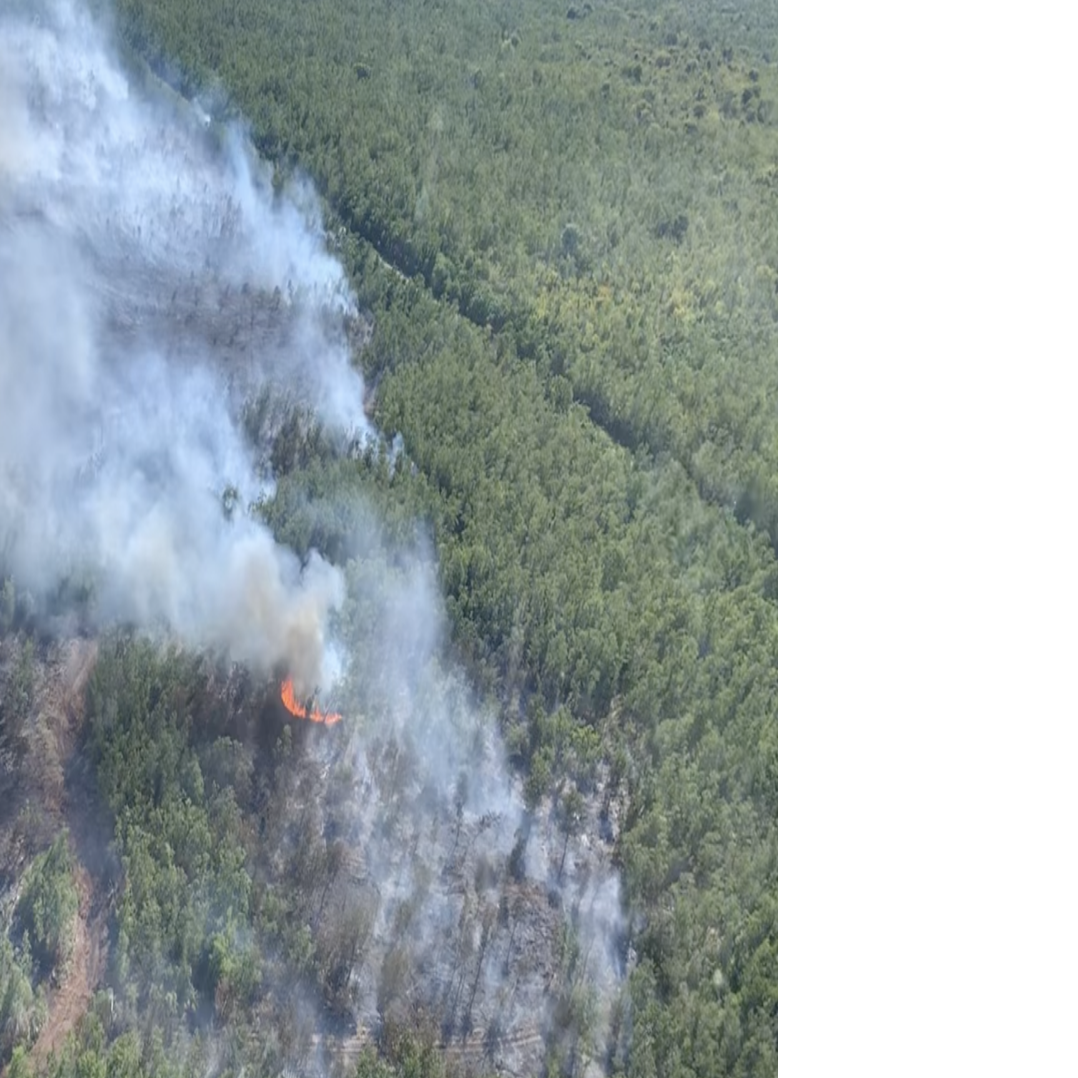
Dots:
(288, 698)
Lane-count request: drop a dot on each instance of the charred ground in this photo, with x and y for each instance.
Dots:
(314, 891)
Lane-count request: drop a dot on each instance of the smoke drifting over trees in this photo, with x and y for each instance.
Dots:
(161, 309)
(150, 284)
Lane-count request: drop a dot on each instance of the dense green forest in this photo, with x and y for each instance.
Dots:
(598, 186)
(562, 219)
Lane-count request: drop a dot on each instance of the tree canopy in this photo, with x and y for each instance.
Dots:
(563, 222)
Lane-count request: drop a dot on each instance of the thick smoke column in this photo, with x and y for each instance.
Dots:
(151, 285)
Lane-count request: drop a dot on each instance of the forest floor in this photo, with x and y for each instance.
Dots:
(65, 677)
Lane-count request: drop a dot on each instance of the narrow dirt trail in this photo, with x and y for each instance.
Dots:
(85, 967)
(84, 970)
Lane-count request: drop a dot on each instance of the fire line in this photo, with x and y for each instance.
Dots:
(288, 698)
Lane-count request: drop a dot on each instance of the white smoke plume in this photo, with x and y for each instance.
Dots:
(464, 893)
(150, 284)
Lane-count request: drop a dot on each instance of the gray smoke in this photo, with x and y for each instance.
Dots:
(481, 913)
(151, 284)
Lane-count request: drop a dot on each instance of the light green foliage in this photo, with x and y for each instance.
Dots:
(19, 1065)
(370, 1066)
(89, 1055)
(22, 1010)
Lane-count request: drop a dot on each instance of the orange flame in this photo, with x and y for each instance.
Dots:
(288, 698)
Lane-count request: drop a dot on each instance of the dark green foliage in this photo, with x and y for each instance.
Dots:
(186, 885)
(49, 902)
(632, 616)
(617, 220)
(7, 605)
(19, 689)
